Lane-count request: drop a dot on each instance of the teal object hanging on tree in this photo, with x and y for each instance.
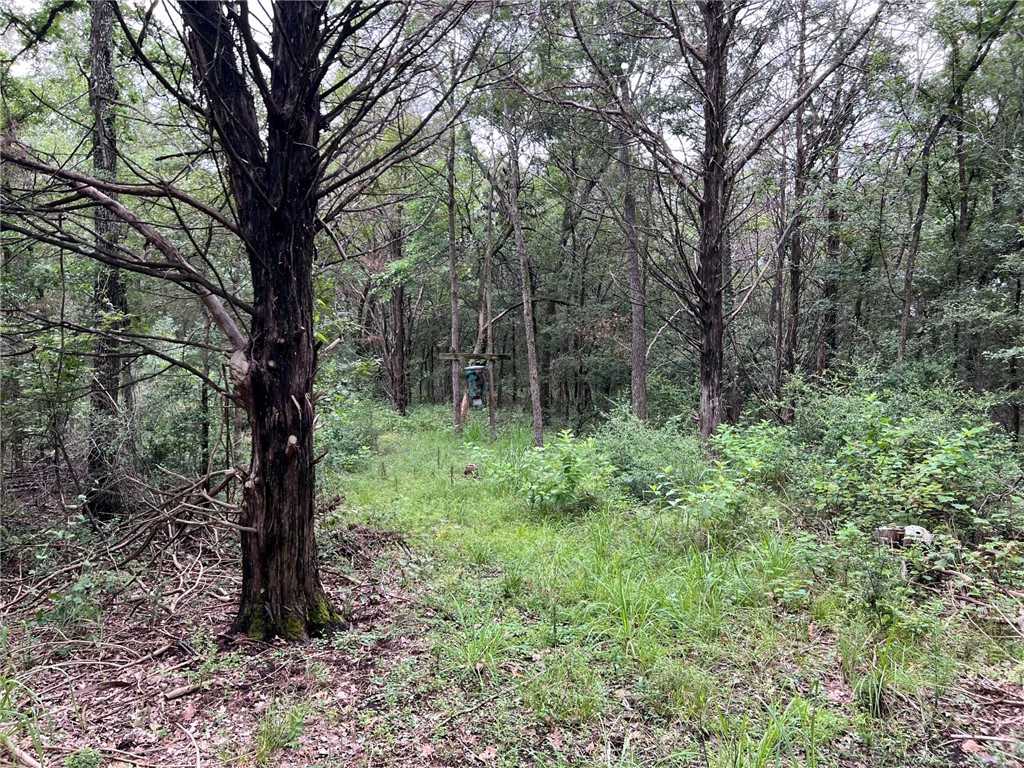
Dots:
(476, 384)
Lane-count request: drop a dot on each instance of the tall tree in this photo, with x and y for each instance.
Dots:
(988, 28)
(728, 80)
(297, 128)
(106, 497)
(634, 271)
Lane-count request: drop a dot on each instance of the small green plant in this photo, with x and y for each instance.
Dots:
(784, 733)
(568, 474)
(479, 645)
(625, 607)
(513, 581)
(646, 455)
(15, 717)
(278, 727)
(675, 688)
(763, 452)
(86, 757)
(75, 606)
(567, 690)
(872, 575)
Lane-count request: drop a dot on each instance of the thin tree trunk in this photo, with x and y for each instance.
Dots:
(204, 407)
(1015, 369)
(796, 239)
(394, 341)
(829, 338)
(453, 288)
(912, 251)
(398, 394)
(492, 418)
(637, 319)
(106, 498)
(511, 199)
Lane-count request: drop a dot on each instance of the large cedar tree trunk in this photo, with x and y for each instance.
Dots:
(274, 190)
(713, 216)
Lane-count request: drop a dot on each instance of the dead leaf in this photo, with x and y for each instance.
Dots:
(427, 750)
(970, 746)
(490, 752)
(188, 712)
(835, 695)
(556, 740)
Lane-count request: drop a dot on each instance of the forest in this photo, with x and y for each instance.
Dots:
(540, 383)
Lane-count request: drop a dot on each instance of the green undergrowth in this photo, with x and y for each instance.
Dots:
(726, 614)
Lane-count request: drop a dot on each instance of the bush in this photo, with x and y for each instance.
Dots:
(349, 420)
(766, 453)
(646, 455)
(922, 468)
(568, 474)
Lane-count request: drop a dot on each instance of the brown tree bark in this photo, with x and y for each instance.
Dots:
(634, 270)
(453, 288)
(713, 211)
(830, 293)
(274, 190)
(510, 197)
(398, 389)
(796, 236)
(106, 497)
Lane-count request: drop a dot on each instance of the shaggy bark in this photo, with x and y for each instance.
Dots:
(275, 194)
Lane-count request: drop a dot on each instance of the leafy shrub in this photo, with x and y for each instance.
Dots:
(646, 455)
(568, 474)
(898, 444)
(913, 470)
(721, 504)
(764, 452)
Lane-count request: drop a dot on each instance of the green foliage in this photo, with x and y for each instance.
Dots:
(350, 421)
(763, 452)
(75, 606)
(924, 466)
(567, 690)
(872, 577)
(709, 604)
(170, 425)
(785, 732)
(86, 757)
(14, 716)
(568, 475)
(675, 688)
(481, 643)
(645, 455)
(279, 727)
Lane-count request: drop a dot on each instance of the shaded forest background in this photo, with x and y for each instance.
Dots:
(879, 226)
